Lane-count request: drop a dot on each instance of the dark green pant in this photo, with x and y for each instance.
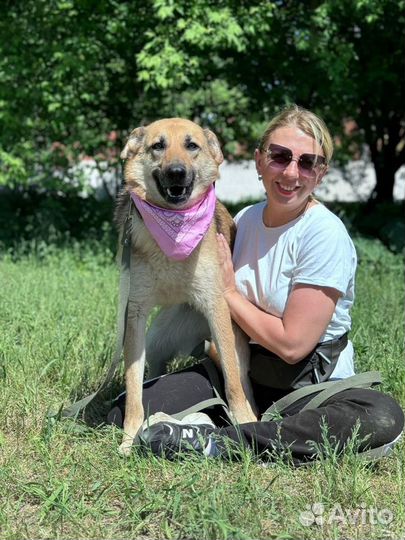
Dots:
(379, 418)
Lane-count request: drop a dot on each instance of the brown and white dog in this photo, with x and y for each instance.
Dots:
(172, 164)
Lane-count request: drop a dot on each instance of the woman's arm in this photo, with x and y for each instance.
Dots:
(307, 314)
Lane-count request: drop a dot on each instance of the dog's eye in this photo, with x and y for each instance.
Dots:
(192, 145)
(158, 146)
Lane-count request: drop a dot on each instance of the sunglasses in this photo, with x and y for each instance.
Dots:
(280, 157)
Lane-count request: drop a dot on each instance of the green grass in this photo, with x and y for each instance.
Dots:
(66, 480)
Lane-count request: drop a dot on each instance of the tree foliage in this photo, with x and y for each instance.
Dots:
(77, 74)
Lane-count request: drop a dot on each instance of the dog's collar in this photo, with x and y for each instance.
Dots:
(178, 232)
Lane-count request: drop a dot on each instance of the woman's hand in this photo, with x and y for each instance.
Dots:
(225, 260)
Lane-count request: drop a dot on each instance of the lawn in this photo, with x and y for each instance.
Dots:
(66, 479)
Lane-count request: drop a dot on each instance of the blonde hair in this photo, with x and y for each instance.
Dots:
(306, 121)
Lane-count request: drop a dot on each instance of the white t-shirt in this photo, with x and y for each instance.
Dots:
(313, 249)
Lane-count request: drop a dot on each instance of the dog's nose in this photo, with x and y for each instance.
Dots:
(176, 173)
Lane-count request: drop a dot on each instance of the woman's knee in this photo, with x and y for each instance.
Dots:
(388, 416)
(382, 416)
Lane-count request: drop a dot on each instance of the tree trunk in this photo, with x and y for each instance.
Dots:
(384, 188)
(386, 143)
(385, 164)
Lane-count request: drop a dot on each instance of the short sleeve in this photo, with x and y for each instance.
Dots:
(239, 215)
(326, 257)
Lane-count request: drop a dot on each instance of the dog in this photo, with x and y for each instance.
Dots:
(170, 168)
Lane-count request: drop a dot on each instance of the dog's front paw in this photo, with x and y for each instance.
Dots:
(127, 442)
(126, 446)
(243, 414)
(244, 417)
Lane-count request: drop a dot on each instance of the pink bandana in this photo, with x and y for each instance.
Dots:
(178, 232)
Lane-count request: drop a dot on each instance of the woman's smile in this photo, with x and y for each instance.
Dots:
(286, 190)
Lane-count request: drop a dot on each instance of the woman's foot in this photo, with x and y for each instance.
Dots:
(168, 437)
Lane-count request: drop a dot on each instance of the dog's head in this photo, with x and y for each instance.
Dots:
(172, 162)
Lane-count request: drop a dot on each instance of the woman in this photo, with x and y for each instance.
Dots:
(290, 288)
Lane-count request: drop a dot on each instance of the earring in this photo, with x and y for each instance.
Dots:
(260, 177)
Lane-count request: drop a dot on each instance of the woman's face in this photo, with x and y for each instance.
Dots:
(292, 165)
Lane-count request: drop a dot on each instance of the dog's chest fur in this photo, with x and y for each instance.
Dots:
(165, 281)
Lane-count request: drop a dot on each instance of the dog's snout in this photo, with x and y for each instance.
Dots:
(176, 173)
(175, 182)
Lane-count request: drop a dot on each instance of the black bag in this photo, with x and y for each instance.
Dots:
(268, 369)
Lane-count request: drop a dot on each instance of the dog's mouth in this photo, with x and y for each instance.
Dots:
(174, 190)
(177, 194)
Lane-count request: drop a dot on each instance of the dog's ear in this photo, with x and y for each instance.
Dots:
(214, 146)
(133, 143)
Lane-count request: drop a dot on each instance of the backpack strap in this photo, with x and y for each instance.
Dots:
(215, 381)
(125, 278)
(212, 373)
(201, 406)
(323, 390)
(362, 380)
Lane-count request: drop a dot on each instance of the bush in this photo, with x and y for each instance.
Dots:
(30, 217)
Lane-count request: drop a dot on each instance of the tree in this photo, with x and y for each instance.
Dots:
(74, 70)
(343, 59)
(372, 34)
(68, 78)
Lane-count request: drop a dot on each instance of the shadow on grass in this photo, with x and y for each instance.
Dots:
(30, 217)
